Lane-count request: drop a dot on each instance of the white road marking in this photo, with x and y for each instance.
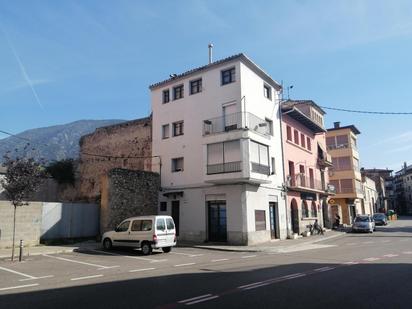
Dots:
(186, 254)
(391, 255)
(251, 284)
(407, 252)
(202, 300)
(293, 276)
(87, 277)
(350, 263)
(194, 298)
(248, 256)
(371, 259)
(404, 240)
(186, 264)
(351, 243)
(368, 242)
(220, 260)
(142, 269)
(129, 256)
(384, 241)
(79, 262)
(17, 273)
(42, 277)
(324, 269)
(19, 287)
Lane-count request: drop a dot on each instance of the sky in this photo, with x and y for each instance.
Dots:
(62, 61)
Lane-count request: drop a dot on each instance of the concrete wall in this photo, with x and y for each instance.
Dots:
(28, 223)
(127, 194)
(66, 220)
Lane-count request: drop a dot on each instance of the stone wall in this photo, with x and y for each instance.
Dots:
(110, 147)
(127, 193)
(28, 223)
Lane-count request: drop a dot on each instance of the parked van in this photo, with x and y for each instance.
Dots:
(146, 232)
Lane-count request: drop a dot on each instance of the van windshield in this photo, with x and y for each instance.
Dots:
(362, 219)
(160, 225)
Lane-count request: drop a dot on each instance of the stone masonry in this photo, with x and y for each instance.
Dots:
(125, 145)
(127, 193)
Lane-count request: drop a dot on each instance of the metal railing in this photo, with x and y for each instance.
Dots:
(303, 181)
(261, 169)
(236, 121)
(227, 167)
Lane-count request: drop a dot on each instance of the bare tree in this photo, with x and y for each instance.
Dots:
(23, 177)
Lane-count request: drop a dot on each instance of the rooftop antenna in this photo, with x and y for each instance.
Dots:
(289, 87)
(210, 46)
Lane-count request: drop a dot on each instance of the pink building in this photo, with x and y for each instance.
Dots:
(305, 163)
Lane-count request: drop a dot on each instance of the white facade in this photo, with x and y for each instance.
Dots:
(230, 142)
(370, 196)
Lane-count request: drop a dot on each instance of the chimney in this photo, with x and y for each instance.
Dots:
(210, 52)
(336, 124)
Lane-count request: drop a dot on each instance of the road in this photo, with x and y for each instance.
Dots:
(352, 271)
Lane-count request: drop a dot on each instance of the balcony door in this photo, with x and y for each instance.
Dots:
(230, 117)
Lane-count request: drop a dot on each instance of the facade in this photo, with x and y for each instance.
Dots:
(371, 196)
(384, 186)
(306, 162)
(217, 131)
(345, 176)
(403, 189)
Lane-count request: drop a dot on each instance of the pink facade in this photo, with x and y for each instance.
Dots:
(305, 163)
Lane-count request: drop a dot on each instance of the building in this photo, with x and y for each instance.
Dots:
(217, 131)
(306, 162)
(403, 189)
(345, 175)
(126, 145)
(384, 186)
(371, 195)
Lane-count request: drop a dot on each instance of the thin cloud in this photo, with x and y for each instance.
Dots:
(22, 85)
(22, 68)
(401, 138)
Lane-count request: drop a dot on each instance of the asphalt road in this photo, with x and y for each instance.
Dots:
(352, 271)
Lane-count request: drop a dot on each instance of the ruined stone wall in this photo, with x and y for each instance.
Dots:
(127, 193)
(113, 147)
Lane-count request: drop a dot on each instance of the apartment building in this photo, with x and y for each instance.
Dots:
(371, 196)
(306, 162)
(383, 180)
(216, 129)
(403, 188)
(345, 175)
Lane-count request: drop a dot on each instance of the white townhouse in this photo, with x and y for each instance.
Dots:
(217, 131)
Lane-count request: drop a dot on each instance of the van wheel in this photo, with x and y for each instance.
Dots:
(146, 248)
(107, 244)
(167, 249)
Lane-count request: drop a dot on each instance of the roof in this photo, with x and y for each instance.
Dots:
(214, 64)
(304, 102)
(351, 127)
(3, 170)
(289, 108)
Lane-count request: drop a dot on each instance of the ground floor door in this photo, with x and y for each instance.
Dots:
(217, 221)
(352, 213)
(273, 210)
(294, 212)
(176, 215)
(325, 214)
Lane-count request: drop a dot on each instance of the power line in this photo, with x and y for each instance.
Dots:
(14, 135)
(365, 112)
(117, 157)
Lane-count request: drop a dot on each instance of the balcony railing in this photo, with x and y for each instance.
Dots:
(261, 169)
(338, 146)
(303, 181)
(236, 121)
(228, 167)
(325, 160)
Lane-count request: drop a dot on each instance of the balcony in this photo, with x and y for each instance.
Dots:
(301, 182)
(325, 160)
(260, 169)
(221, 168)
(338, 146)
(236, 121)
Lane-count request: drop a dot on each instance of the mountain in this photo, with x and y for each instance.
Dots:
(52, 143)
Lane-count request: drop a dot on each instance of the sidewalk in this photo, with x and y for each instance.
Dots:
(276, 246)
(43, 249)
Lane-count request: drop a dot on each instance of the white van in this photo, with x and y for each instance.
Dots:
(146, 232)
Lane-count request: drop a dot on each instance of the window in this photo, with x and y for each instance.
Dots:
(341, 163)
(196, 86)
(269, 126)
(267, 92)
(342, 141)
(123, 227)
(228, 76)
(260, 220)
(160, 225)
(289, 133)
(305, 210)
(178, 92)
(296, 136)
(224, 157)
(166, 96)
(273, 165)
(259, 157)
(178, 128)
(165, 131)
(346, 186)
(309, 144)
(302, 140)
(141, 225)
(163, 206)
(177, 165)
(314, 210)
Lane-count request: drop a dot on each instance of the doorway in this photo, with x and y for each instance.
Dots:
(176, 215)
(217, 221)
(294, 216)
(273, 211)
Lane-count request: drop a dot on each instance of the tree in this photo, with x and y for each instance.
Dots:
(23, 177)
(62, 171)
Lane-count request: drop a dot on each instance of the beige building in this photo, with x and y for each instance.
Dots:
(345, 174)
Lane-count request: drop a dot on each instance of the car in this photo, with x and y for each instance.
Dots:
(144, 232)
(363, 223)
(380, 219)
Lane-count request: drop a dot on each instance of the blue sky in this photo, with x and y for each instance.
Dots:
(63, 61)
